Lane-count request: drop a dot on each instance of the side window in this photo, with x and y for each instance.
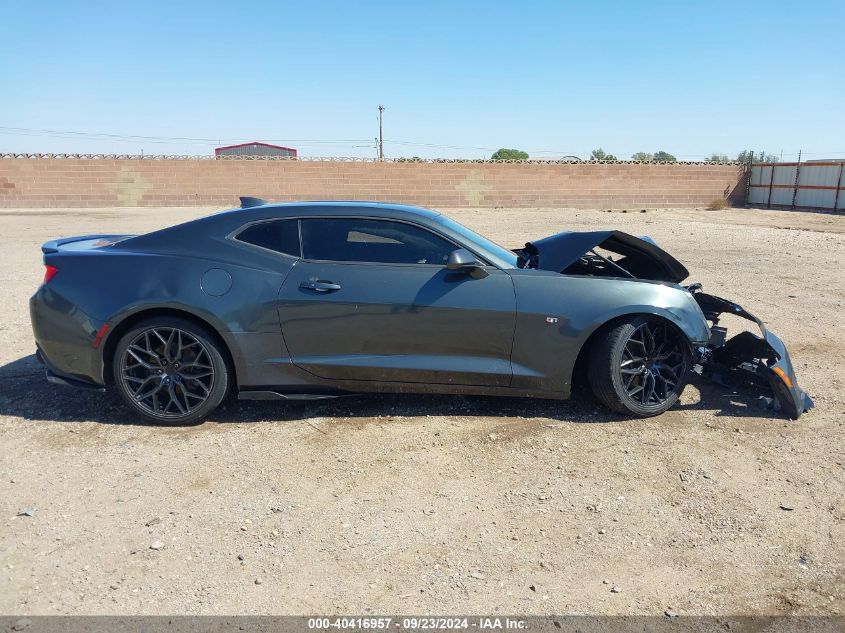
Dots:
(380, 241)
(281, 236)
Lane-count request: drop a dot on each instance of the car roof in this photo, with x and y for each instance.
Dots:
(224, 222)
(340, 207)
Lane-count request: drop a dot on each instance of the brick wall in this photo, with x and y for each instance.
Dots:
(104, 182)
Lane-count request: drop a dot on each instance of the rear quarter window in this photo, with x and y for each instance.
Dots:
(281, 236)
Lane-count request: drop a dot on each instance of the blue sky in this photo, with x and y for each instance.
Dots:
(459, 79)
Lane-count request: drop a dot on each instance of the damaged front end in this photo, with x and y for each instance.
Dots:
(748, 359)
(745, 359)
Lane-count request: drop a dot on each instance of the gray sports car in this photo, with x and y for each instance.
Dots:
(318, 299)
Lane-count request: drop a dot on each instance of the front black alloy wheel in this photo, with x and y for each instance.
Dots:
(641, 367)
(170, 371)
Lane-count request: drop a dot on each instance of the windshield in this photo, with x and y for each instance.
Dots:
(499, 254)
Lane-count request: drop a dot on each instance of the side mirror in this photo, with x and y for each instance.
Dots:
(464, 261)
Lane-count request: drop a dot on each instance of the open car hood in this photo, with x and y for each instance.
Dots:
(641, 258)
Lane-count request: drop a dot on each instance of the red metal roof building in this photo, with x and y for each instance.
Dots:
(255, 148)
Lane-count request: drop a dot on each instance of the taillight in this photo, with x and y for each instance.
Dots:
(49, 272)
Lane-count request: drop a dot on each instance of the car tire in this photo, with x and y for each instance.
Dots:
(170, 371)
(640, 366)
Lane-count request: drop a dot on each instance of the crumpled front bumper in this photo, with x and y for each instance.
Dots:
(747, 358)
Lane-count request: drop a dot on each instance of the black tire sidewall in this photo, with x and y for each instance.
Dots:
(221, 372)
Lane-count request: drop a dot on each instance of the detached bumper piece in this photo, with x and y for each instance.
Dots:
(760, 362)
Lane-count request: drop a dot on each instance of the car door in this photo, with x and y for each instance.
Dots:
(371, 299)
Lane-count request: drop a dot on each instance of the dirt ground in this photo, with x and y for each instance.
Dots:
(441, 504)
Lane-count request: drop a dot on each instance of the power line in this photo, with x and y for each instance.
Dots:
(121, 140)
(352, 143)
(136, 137)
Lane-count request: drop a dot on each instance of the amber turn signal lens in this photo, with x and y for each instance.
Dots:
(783, 376)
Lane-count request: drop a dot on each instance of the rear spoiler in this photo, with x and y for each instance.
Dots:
(53, 246)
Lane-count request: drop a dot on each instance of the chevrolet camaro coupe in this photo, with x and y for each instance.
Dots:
(311, 300)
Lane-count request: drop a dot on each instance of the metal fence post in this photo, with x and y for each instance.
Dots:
(797, 174)
(838, 188)
(771, 186)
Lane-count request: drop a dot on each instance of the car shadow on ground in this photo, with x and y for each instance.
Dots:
(27, 394)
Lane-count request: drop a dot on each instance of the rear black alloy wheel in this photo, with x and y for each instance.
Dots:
(641, 367)
(170, 371)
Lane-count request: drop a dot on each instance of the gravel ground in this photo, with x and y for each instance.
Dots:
(441, 504)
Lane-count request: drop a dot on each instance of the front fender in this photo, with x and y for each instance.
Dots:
(689, 321)
(556, 315)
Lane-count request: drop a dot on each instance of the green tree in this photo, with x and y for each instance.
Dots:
(642, 157)
(717, 158)
(664, 157)
(509, 154)
(600, 154)
(759, 157)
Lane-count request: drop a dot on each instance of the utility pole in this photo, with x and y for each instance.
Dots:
(380, 133)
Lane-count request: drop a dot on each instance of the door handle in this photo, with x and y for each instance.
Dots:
(320, 286)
